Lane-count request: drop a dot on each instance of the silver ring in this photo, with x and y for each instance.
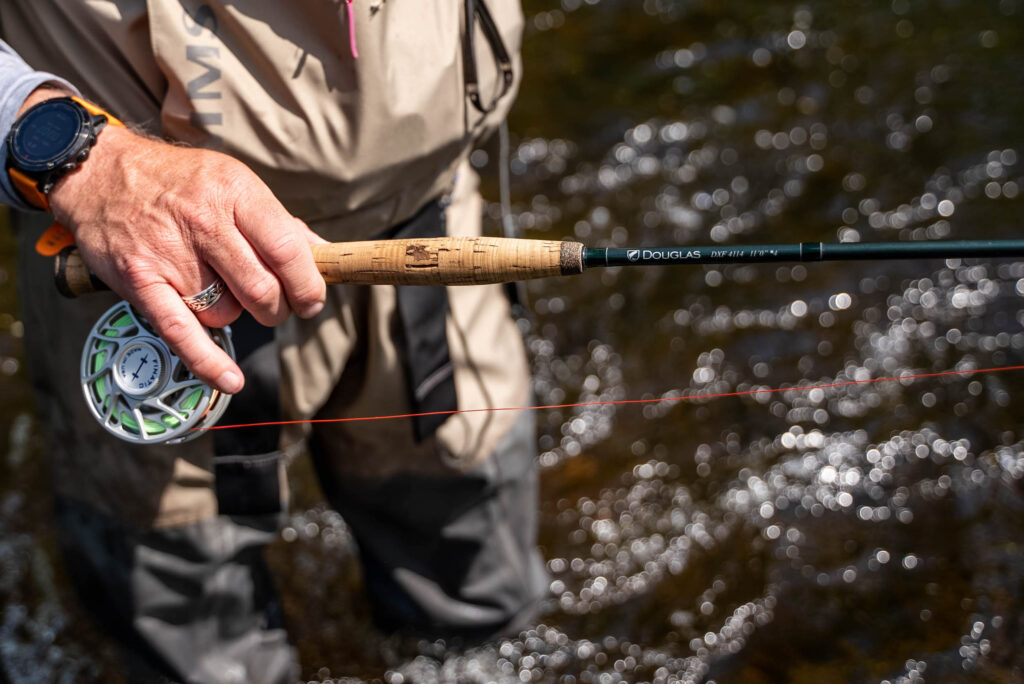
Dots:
(201, 301)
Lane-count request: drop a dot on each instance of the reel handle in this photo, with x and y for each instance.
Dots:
(423, 261)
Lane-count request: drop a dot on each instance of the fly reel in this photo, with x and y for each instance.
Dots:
(138, 389)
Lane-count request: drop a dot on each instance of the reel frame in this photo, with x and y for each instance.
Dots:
(139, 390)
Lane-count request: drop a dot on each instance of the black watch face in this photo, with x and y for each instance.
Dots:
(46, 135)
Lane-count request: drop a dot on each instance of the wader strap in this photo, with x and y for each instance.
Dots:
(423, 312)
(477, 9)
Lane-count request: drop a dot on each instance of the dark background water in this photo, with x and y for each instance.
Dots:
(854, 533)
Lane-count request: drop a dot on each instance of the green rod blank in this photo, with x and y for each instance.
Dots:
(802, 251)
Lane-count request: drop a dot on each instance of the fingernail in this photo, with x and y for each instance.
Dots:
(230, 382)
(312, 310)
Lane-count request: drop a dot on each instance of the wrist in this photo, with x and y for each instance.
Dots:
(87, 180)
(40, 94)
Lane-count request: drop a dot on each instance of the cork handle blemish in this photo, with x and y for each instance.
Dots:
(446, 261)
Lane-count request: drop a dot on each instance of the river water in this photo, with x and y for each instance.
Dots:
(852, 533)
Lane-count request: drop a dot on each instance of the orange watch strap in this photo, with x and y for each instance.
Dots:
(29, 189)
(93, 109)
(54, 239)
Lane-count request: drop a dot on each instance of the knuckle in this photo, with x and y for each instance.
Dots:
(283, 249)
(199, 221)
(174, 329)
(138, 274)
(231, 182)
(290, 255)
(262, 292)
(236, 179)
(202, 209)
(207, 199)
(309, 291)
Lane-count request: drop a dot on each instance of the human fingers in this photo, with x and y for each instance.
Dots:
(282, 242)
(213, 304)
(251, 241)
(179, 328)
(221, 314)
(252, 284)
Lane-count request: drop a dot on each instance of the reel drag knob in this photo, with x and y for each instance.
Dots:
(138, 390)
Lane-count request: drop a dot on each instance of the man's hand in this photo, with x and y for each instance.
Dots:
(155, 222)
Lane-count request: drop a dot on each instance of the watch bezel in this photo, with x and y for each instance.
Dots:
(81, 137)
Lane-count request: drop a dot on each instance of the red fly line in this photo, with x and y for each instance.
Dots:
(623, 402)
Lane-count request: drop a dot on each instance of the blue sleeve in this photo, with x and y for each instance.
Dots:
(17, 81)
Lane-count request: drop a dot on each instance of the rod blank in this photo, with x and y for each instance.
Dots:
(803, 251)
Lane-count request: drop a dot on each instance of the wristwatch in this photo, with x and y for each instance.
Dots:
(50, 140)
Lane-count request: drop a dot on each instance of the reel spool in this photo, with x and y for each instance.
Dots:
(138, 389)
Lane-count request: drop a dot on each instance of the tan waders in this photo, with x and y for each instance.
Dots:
(163, 541)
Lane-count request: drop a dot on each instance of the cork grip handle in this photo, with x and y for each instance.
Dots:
(426, 261)
(72, 276)
(446, 261)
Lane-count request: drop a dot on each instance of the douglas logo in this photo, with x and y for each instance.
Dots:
(670, 254)
(633, 255)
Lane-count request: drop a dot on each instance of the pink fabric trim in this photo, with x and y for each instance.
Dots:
(351, 29)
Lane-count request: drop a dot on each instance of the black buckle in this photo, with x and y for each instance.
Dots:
(477, 10)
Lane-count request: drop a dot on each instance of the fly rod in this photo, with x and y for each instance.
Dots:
(140, 391)
(488, 260)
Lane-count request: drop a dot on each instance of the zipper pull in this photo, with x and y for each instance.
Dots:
(351, 29)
